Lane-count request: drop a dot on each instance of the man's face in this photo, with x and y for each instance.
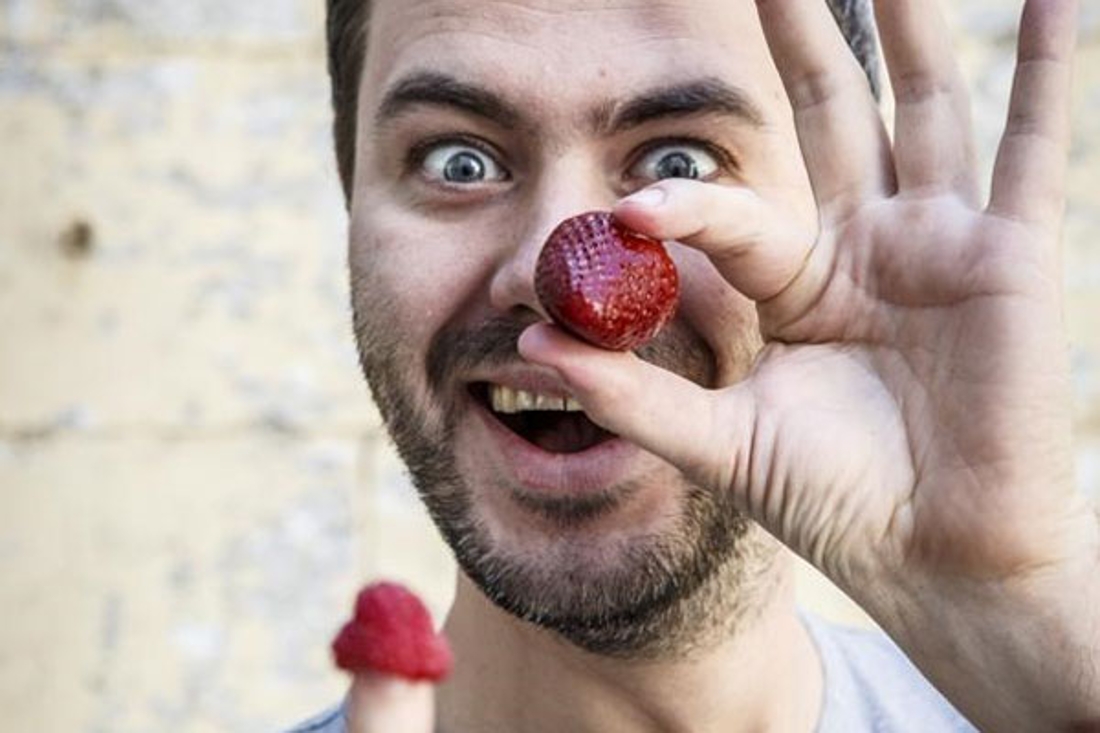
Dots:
(481, 126)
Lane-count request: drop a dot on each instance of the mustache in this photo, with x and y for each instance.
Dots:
(459, 350)
(492, 342)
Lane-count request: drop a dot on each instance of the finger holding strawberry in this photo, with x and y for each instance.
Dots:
(906, 426)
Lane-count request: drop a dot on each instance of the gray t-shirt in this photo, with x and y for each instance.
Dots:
(869, 686)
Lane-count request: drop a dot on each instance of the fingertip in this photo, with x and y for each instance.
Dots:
(685, 210)
(380, 687)
(662, 210)
(640, 209)
(551, 345)
(584, 368)
(539, 342)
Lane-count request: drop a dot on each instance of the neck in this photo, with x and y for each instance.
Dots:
(514, 676)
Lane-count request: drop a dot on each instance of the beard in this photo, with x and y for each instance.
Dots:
(648, 596)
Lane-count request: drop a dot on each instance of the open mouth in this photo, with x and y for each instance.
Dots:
(553, 423)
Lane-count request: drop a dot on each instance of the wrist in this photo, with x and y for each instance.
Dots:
(1017, 653)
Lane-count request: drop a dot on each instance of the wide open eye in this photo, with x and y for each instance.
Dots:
(461, 164)
(675, 160)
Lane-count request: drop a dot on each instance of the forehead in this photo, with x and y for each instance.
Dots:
(549, 56)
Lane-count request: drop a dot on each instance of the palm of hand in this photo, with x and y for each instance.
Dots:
(913, 399)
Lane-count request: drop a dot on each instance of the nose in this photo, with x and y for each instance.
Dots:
(567, 189)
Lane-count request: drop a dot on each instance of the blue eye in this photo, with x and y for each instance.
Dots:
(675, 160)
(462, 165)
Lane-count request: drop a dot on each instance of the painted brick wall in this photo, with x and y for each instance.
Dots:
(192, 477)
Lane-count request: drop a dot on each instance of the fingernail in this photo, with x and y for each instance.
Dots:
(646, 197)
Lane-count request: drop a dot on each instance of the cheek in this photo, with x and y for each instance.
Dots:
(725, 319)
(407, 274)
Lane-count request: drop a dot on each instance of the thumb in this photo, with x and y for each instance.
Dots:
(381, 703)
(705, 433)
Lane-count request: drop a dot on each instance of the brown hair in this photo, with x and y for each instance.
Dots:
(346, 27)
(346, 24)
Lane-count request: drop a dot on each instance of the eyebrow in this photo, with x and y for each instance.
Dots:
(707, 95)
(443, 90)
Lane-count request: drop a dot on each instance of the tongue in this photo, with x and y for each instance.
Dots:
(559, 432)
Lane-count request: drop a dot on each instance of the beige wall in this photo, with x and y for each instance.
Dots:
(192, 478)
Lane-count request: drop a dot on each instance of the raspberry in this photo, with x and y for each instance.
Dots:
(392, 633)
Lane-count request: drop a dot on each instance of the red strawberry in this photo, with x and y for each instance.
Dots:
(392, 633)
(611, 286)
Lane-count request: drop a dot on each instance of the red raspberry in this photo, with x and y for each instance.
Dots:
(611, 286)
(392, 633)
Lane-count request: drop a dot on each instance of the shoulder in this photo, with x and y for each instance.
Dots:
(330, 721)
(871, 685)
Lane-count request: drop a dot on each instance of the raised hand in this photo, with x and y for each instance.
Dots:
(906, 426)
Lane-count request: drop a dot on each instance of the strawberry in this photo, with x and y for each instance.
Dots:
(611, 286)
(392, 633)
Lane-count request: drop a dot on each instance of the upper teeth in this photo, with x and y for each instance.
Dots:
(506, 399)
